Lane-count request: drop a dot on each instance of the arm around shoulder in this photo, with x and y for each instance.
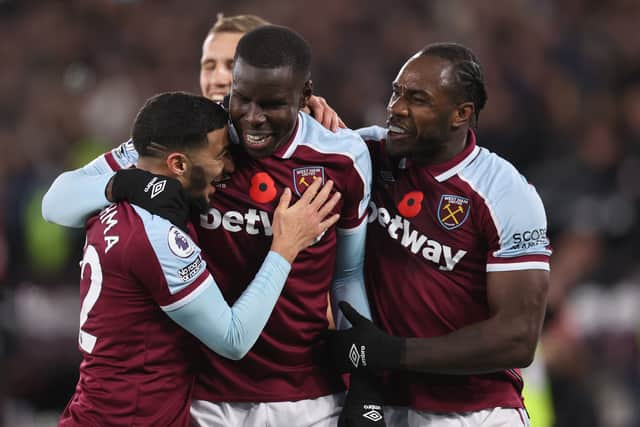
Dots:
(75, 195)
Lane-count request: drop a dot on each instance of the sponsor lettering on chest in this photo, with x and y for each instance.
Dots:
(253, 221)
(401, 229)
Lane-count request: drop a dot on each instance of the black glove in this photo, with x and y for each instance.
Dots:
(158, 194)
(363, 404)
(363, 346)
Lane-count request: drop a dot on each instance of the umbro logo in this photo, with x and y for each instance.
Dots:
(158, 188)
(354, 355)
(373, 415)
(155, 186)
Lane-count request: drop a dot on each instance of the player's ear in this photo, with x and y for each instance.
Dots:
(177, 163)
(462, 114)
(307, 91)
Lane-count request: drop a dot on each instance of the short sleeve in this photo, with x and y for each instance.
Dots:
(357, 194)
(521, 225)
(514, 220)
(176, 271)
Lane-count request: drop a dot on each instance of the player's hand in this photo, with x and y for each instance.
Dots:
(363, 346)
(297, 226)
(323, 113)
(363, 403)
(158, 194)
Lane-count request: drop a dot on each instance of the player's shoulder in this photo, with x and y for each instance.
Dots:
(496, 179)
(118, 217)
(512, 202)
(165, 237)
(344, 142)
(372, 133)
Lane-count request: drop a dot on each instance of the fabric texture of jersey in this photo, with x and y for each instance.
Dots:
(137, 363)
(434, 233)
(288, 362)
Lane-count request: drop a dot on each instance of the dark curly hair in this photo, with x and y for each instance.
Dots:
(469, 79)
(175, 121)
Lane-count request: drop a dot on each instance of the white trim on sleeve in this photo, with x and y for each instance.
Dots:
(206, 283)
(514, 266)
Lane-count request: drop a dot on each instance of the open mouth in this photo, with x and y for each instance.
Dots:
(257, 140)
(396, 132)
(217, 96)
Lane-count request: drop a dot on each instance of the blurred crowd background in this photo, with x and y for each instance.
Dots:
(563, 80)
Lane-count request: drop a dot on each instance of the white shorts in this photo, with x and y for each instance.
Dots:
(320, 412)
(399, 416)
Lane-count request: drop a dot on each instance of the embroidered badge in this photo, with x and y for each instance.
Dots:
(304, 177)
(453, 211)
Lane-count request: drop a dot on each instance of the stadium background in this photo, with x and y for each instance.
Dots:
(563, 80)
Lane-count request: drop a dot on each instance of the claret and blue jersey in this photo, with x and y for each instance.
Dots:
(235, 235)
(284, 363)
(137, 363)
(434, 233)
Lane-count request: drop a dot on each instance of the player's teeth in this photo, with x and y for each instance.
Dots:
(254, 138)
(396, 129)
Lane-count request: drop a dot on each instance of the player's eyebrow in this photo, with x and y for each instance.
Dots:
(412, 90)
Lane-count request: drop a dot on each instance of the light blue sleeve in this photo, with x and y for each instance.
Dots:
(375, 133)
(348, 279)
(75, 195)
(232, 331)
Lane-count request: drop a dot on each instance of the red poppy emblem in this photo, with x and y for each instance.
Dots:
(263, 189)
(411, 204)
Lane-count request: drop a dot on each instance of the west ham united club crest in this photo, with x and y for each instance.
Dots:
(453, 211)
(304, 177)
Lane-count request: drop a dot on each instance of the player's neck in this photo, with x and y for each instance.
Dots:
(454, 146)
(445, 151)
(154, 166)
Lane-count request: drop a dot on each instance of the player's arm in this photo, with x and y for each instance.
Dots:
(348, 279)
(517, 285)
(75, 195)
(507, 339)
(517, 300)
(232, 331)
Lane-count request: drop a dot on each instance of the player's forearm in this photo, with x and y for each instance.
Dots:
(73, 197)
(232, 331)
(254, 307)
(488, 346)
(77, 194)
(348, 280)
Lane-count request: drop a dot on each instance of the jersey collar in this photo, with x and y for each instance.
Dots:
(286, 150)
(443, 171)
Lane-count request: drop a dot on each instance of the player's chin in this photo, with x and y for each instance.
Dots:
(261, 150)
(399, 144)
